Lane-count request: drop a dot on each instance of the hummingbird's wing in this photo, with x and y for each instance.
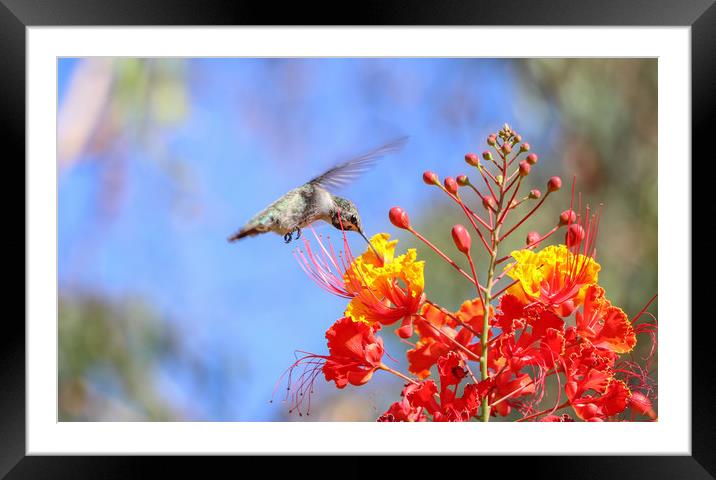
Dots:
(345, 172)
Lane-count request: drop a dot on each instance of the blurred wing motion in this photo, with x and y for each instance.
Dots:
(346, 172)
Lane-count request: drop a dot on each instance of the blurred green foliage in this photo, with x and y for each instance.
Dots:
(109, 355)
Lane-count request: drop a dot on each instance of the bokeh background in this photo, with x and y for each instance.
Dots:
(159, 160)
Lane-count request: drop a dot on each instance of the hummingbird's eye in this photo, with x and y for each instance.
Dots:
(354, 220)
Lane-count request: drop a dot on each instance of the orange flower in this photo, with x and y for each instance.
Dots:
(385, 289)
(604, 325)
(382, 288)
(554, 277)
(439, 333)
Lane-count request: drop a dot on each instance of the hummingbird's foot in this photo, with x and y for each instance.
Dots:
(288, 237)
(298, 233)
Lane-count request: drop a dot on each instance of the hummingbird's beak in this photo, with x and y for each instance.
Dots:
(370, 244)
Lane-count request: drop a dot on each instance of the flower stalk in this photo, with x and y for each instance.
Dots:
(550, 320)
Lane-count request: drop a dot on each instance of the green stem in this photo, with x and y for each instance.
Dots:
(499, 218)
(486, 322)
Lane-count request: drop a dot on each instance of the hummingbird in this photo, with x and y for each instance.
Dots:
(313, 201)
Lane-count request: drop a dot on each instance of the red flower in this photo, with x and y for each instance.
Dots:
(423, 396)
(404, 410)
(504, 390)
(451, 369)
(540, 341)
(439, 332)
(591, 388)
(458, 409)
(613, 400)
(355, 353)
(604, 325)
(431, 344)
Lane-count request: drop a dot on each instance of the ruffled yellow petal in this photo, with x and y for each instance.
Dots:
(373, 280)
(552, 265)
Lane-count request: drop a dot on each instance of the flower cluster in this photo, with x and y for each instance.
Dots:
(540, 336)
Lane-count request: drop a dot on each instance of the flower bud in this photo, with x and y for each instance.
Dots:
(489, 203)
(450, 185)
(487, 155)
(554, 184)
(567, 217)
(462, 180)
(431, 178)
(533, 239)
(575, 235)
(472, 159)
(518, 139)
(525, 147)
(506, 148)
(399, 217)
(535, 194)
(462, 239)
(640, 403)
(492, 140)
(532, 157)
(499, 179)
(524, 168)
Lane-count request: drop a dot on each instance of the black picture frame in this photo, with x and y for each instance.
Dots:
(16, 15)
